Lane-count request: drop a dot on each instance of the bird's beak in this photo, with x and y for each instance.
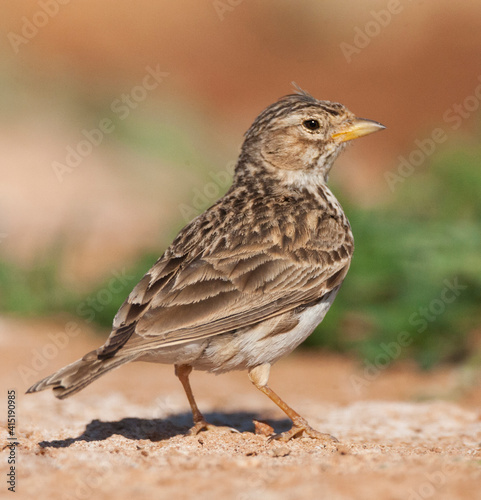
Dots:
(356, 128)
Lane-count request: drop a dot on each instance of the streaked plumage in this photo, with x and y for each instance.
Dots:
(249, 279)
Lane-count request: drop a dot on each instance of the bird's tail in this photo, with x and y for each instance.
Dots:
(76, 376)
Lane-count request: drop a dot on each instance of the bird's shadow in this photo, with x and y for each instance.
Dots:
(156, 429)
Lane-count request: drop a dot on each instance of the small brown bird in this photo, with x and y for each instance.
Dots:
(249, 279)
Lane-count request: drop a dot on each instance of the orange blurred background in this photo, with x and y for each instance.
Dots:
(409, 64)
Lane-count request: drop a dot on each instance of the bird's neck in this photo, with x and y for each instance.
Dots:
(257, 176)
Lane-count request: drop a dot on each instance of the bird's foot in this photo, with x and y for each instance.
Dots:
(300, 427)
(202, 425)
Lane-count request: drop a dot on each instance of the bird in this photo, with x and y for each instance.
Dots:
(248, 280)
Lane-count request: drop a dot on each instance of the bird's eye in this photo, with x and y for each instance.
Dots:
(312, 124)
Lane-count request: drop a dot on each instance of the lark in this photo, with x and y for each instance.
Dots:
(249, 279)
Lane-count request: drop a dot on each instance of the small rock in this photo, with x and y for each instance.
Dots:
(263, 428)
(280, 451)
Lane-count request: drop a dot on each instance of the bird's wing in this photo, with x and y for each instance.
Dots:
(221, 284)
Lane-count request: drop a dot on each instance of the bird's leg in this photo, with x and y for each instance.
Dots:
(200, 424)
(259, 377)
(183, 372)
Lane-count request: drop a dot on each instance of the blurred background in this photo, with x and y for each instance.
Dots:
(120, 121)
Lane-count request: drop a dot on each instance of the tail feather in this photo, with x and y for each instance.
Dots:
(76, 376)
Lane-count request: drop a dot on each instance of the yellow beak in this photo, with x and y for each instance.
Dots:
(357, 128)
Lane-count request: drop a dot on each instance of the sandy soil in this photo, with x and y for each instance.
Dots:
(402, 435)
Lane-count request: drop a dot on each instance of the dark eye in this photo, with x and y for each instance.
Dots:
(312, 124)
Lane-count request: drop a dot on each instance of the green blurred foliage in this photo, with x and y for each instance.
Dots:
(35, 291)
(407, 250)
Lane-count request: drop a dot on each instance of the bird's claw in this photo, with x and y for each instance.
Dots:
(297, 430)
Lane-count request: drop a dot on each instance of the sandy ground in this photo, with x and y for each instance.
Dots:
(402, 435)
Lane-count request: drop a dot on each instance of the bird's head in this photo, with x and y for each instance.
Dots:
(300, 136)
